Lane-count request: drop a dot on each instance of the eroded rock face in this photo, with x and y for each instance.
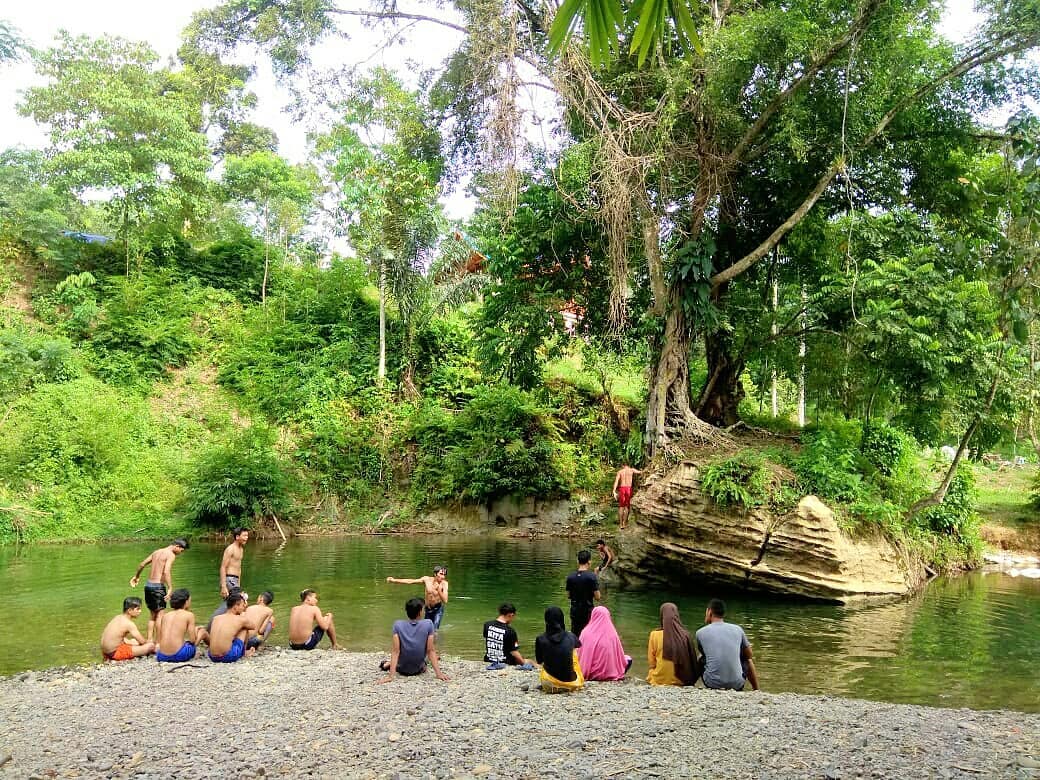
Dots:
(680, 535)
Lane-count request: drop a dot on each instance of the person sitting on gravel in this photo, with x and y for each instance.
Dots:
(222, 608)
(727, 659)
(670, 652)
(556, 651)
(227, 639)
(121, 640)
(601, 655)
(307, 625)
(261, 614)
(412, 645)
(501, 644)
(177, 632)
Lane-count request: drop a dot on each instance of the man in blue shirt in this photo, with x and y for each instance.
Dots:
(412, 645)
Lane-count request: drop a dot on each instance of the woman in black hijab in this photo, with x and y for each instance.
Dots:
(555, 651)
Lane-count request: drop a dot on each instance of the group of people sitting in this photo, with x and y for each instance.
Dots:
(719, 654)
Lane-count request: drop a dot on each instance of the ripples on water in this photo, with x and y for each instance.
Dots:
(971, 641)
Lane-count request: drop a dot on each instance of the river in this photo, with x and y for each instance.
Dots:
(970, 641)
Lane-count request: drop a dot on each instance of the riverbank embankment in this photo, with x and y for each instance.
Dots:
(323, 714)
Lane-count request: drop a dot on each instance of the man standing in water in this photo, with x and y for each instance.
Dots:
(231, 563)
(436, 593)
(583, 591)
(160, 580)
(623, 492)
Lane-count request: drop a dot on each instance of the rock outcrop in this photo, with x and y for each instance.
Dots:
(679, 535)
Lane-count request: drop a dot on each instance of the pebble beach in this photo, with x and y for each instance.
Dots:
(322, 714)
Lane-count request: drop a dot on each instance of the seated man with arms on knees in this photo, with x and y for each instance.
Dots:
(261, 614)
(726, 652)
(412, 645)
(227, 638)
(121, 640)
(176, 630)
(501, 644)
(307, 625)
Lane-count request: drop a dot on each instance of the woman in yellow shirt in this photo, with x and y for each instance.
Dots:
(670, 652)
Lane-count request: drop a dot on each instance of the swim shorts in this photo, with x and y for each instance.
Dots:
(624, 496)
(436, 614)
(310, 644)
(155, 596)
(124, 652)
(238, 649)
(232, 581)
(186, 653)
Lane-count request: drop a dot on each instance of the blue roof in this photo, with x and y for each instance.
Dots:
(86, 238)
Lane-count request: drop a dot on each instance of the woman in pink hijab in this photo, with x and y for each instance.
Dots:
(601, 655)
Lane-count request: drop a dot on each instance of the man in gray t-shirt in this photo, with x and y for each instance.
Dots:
(725, 651)
(412, 645)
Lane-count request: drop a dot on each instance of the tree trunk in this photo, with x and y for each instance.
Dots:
(801, 366)
(723, 391)
(267, 258)
(669, 417)
(776, 306)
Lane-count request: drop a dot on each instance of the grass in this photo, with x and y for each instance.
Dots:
(627, 384)
(1004, 496)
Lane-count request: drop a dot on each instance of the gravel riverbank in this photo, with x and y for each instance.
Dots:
(321, 714)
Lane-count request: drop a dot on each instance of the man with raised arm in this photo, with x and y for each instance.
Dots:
(160, 579)
(231, 563)
(307, 625)
(436, 592)
(623, 492)
(412, 644)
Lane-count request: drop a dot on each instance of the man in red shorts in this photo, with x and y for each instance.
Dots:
(623, 492)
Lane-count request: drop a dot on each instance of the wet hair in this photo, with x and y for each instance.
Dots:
(440, 568)
(505, 608)
(413, 607)
(238, 531)
(305, 593)
(232, 599)
(179, 598)
(600, 541)
(584, 556)
(267, 597)
(182, 543)
(717, 607)
(130, 602)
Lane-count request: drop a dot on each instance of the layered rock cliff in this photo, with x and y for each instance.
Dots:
(678, 535)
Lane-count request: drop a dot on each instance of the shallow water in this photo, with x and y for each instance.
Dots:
(971, 641)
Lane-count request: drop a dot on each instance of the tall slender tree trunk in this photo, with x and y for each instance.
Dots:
(267, 256)
(801, 364)
(773, 330)
(381, 372)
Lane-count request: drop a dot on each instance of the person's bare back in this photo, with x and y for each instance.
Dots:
(259, 614)
(176, 627)
(226, 629)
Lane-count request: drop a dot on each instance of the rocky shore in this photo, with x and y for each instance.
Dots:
(322, 714)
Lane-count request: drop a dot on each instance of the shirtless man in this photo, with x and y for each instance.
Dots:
(121, 640)
(307, 625)
(436, 593)
(623, 492)
(176, 630)
(227, 639)
(261, 614)
(159, 579)
(231, 563)
(606, 556)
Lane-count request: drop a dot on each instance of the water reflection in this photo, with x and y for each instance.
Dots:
(970, 641)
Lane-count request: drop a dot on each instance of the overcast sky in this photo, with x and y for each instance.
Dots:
(161, 23)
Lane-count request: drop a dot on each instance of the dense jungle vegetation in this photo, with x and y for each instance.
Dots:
(797, 219)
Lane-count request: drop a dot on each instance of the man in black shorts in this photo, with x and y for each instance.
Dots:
(307, 625)
(583, 591)
(160, 579)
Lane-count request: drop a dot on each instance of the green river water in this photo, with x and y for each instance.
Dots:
(971, 641)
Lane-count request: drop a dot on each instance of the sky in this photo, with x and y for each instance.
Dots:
(161, 23)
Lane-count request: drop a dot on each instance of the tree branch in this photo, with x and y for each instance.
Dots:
(866, 13)
(399, 15)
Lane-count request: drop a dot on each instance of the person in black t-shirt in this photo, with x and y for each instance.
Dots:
(501, 644)
(583, 591)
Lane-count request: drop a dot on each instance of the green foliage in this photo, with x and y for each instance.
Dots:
(828, 463)
(886, 448)
(502, 443)
(29, 359)
(235, 264)
(743, 480)
(956, 514)
(241, 479)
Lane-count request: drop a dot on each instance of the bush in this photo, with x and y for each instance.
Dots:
(239, 480)
(956, 515)
(742, 480)
(502, 443)
(827, 465)
(887, 449)
(236, 265)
